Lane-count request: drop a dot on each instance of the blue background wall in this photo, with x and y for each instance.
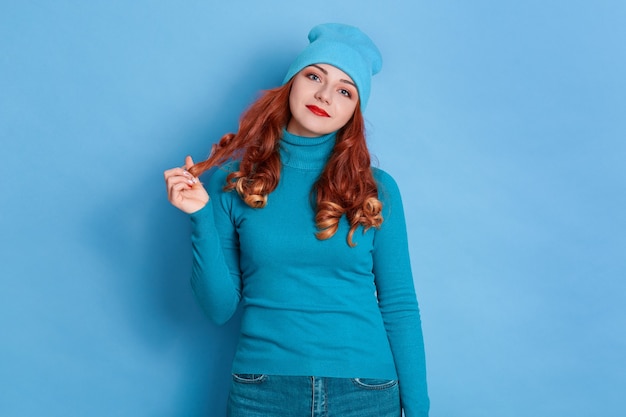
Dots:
(503, 122)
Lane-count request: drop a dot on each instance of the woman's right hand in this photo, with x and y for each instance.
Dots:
(185, 191)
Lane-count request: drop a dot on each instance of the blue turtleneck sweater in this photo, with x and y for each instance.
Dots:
(311, 307)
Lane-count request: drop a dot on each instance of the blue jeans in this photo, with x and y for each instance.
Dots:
(254, 395)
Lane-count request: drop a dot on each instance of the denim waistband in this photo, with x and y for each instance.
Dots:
(261, 395)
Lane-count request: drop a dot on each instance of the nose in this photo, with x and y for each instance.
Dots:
(323, 94)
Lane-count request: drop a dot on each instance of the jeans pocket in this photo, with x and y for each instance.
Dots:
(374, 383)
(249, 378)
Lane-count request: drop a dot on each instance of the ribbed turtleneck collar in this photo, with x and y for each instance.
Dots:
(304, 152)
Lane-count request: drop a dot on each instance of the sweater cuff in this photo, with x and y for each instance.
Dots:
(202, 219)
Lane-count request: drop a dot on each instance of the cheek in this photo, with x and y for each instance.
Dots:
(347, 112)
(293, 100)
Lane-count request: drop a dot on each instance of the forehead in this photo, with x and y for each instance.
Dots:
(332, 71)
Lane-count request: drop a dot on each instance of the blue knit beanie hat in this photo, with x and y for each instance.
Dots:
(344, 47)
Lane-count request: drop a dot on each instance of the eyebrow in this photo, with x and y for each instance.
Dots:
(326, 73)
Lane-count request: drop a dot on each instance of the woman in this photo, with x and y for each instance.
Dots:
(312, 240)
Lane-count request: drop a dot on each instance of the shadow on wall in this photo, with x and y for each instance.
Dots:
(145, 241)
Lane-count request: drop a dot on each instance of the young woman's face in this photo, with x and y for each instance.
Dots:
(322, 100)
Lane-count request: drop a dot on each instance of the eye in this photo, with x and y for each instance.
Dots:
(313, 76)
(345, 92)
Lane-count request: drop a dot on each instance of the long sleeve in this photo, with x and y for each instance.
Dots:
(397, 300)
(311, 306)
(216, 276)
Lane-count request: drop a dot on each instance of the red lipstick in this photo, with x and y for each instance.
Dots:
(317, 111)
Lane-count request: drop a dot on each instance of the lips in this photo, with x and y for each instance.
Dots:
(317, 111)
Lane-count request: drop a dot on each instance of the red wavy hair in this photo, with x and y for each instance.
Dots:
(346, 185)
